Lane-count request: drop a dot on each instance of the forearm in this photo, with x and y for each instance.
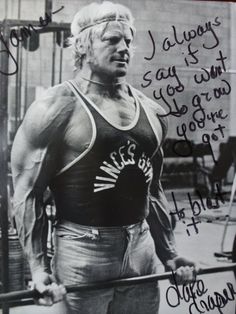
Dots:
(159, 218)
(161, 230)
(31, 225)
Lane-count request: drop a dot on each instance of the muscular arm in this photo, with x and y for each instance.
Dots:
(159, 218)
(29, 177)
(160, 225)
(33, 165)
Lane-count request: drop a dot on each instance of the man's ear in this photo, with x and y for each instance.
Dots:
(80, 47)
(85, 51)
(88, 57)
(82, 50)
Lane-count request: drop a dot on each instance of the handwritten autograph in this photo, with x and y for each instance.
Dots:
(192, 34)
(187, 36)
(197, 206)
(17, 36)
(198, 115)
(191, 293)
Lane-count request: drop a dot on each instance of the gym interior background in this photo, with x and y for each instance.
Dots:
(44, 60)
(45, 54)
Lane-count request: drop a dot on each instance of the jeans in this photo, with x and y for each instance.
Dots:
(86, 254)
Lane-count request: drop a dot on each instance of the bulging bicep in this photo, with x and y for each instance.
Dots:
(27, 165)
(33, 151)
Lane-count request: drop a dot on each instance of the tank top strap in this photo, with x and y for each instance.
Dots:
(87, 108)
(82, 98)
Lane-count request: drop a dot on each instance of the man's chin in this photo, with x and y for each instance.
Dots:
(121, 73)
(118, 74)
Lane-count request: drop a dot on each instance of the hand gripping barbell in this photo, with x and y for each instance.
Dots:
(30, 294)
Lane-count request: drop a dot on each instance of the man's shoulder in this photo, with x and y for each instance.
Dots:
(149, 103)
(60, 90)
(49, 112)
(58, 96)
(53, 101)
(153, 107)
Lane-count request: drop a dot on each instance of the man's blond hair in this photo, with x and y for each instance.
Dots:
(91, 20)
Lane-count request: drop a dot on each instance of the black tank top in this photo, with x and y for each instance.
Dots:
(108, 185)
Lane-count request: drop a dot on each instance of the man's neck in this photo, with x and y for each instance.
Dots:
(91, 84)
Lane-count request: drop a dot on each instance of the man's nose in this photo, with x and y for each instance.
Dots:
(122, 46)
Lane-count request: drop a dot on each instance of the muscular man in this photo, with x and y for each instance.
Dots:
(96, 142)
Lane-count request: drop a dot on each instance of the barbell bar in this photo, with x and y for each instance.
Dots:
(31, 294)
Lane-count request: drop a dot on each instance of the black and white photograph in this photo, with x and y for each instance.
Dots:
(117, 157)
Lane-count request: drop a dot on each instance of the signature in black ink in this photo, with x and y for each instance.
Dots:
(192, 59)
(197, 206)
(165, 74)
(187, 36)
(199, 116)
(17, 36)
(214, 71)
(199, 119)
(192, 294)
(167, 95)
(218, 92)
(192, 126)
(206, 138)
(153, 47)
(176, 110)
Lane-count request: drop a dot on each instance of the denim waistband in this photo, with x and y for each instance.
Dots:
(77, 228)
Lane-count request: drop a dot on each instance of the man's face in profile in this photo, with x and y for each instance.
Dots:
(110, 55)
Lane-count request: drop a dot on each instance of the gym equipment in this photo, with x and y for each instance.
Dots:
(223, 253)
(18, 65)
(61, 40)
(29, 294)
